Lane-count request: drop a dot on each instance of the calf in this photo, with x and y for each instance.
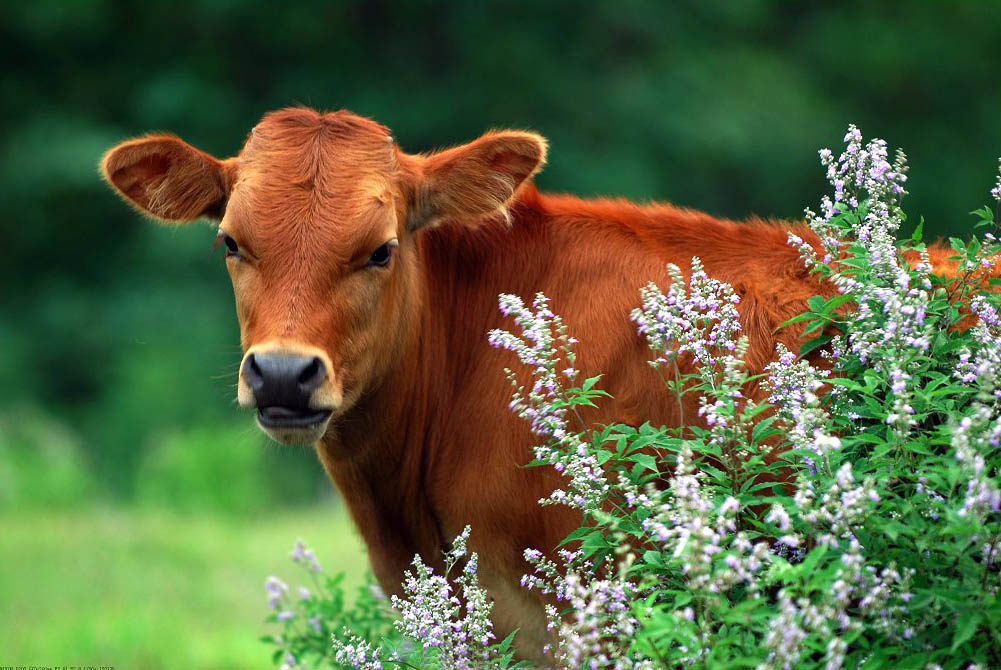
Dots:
(366, 280)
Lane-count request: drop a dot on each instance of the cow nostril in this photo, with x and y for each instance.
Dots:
(252, 373)
(312, 375)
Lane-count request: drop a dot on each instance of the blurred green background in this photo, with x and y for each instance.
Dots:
(140, 512)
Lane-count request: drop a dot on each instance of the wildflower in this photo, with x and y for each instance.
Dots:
(430, 611)
(301, 554)
(543, 343)
(970, 436)
(785, 636)
(701, 320)
(778, 516)
(596, 632)
(276, 590)
(834, 511)
(356, 652)
(890, 330)
(794, 388)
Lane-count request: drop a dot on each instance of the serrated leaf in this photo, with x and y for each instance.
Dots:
(593, 543)
(576, 535)
(645, 460)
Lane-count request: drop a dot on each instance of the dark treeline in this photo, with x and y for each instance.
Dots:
(119, 337)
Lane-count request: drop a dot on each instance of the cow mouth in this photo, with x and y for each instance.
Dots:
(291, 417)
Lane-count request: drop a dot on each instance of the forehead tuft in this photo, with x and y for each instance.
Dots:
(317, 179)
(304, 120)
(300, 144)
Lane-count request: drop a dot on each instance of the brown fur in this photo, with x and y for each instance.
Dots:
(422, 442)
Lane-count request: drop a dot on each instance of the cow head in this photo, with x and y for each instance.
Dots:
(318, 216)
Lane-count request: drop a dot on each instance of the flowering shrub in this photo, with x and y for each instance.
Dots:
(886, 551)
(429, 627)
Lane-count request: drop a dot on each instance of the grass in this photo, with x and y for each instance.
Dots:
(140, 588)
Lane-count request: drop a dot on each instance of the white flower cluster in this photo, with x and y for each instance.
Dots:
(863, 180)
(794, 386)
(859, 593)
(979, 433)
(455, 622)
(597, 630)
(890, 322)
(546, 347)
(832, 512)
(354, 652)
(684, 519)
(701, 320)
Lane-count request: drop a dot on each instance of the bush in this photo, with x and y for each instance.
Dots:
(41, 464)
(885, 554)
(223, 468)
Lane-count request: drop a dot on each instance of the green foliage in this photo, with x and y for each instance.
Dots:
(428, 628)
(219, 469)
(40, 462)
(125, 330)
(321, 611)
(851, 518)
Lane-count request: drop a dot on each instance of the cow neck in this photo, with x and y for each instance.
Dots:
(380, 454)
(377, 455)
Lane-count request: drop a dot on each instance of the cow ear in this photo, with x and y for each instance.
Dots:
(478, 178)
(168, 179)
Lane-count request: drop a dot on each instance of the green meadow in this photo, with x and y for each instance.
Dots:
(134, 588)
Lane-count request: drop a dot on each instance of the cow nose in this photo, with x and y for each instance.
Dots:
(280, 380)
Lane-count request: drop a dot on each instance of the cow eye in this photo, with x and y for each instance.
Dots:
(232, 248)
(380, 257)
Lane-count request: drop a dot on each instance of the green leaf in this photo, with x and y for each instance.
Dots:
(808, 565)
(646, 460)
(985, 214)
(796, 319)
(974, 245)
(918, 231)
(967, 626)
(505, 644)
(594, 543)
(576, 535)
(810, 346)
(653, 558)
(816, 303)
(835, 302)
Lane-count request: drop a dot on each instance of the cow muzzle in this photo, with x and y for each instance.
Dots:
(292, 390)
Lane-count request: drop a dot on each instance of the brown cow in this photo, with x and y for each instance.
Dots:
(366, 280)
